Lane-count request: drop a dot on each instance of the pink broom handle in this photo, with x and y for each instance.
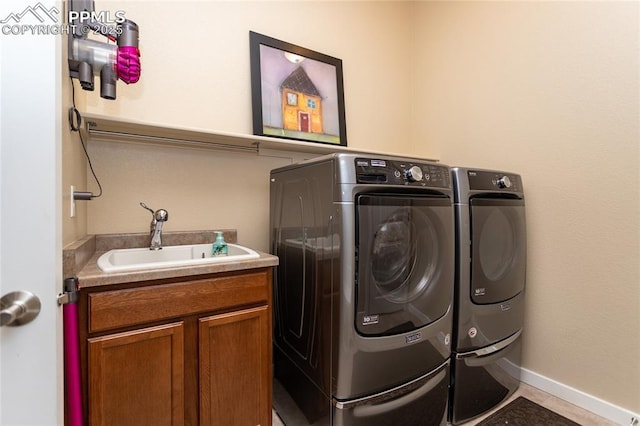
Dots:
(72, 353)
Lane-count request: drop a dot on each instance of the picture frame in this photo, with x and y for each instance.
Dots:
(297, 93)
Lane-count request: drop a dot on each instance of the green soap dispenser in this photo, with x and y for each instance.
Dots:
(219, 247)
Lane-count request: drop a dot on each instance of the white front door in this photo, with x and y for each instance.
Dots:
(30, 217)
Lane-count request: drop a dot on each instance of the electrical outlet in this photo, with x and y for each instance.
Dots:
(72, 207)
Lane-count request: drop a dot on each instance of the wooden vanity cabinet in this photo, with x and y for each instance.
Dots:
(178, 352)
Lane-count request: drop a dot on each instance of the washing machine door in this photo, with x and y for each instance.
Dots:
(405, 258)
(498, 249)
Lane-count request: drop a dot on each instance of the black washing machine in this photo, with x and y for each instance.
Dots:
(363, 292)
(489, 291)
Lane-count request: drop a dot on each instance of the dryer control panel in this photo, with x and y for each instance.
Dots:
(484, 180)
(398, 172)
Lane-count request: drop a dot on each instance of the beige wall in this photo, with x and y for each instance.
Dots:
(546, 89)
(195, 73)
(195, 62)
(550, 90)
(74, 171)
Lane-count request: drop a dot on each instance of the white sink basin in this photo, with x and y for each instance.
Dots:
(171, 256)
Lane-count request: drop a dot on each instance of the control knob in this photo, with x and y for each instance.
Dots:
(414, 174)
(504, 182)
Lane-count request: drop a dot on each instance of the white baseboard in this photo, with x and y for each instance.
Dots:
(591, 403)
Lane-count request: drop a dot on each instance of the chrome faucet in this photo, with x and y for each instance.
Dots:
(160, 216)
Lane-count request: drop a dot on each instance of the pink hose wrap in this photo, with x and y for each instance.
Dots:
(72, 364)
(128, 64)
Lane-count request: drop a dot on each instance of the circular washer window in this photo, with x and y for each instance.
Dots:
(404, 255)
(497, 246)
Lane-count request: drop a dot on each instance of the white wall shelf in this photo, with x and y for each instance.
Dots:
(110, 129)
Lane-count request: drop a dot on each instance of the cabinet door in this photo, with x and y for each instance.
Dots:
(235, 368)
(137, 377)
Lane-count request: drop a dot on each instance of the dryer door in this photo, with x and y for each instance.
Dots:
(498, 249)
(404, 247)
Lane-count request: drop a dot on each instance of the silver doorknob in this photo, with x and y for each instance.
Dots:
(19, 307)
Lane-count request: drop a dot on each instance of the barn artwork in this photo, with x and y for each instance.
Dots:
(301, 103)
(297, 93)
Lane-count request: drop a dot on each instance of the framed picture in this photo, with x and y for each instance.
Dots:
(296, 93)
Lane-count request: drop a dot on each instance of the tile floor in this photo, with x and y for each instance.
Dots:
(570, 411)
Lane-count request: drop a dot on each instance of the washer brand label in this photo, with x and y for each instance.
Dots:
(480, 291)
(378, 163)
(362, 163)
(505, 306)
(413, 337)
(370, 319)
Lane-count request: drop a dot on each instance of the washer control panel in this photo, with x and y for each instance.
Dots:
(484, 180)
(394, 172)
